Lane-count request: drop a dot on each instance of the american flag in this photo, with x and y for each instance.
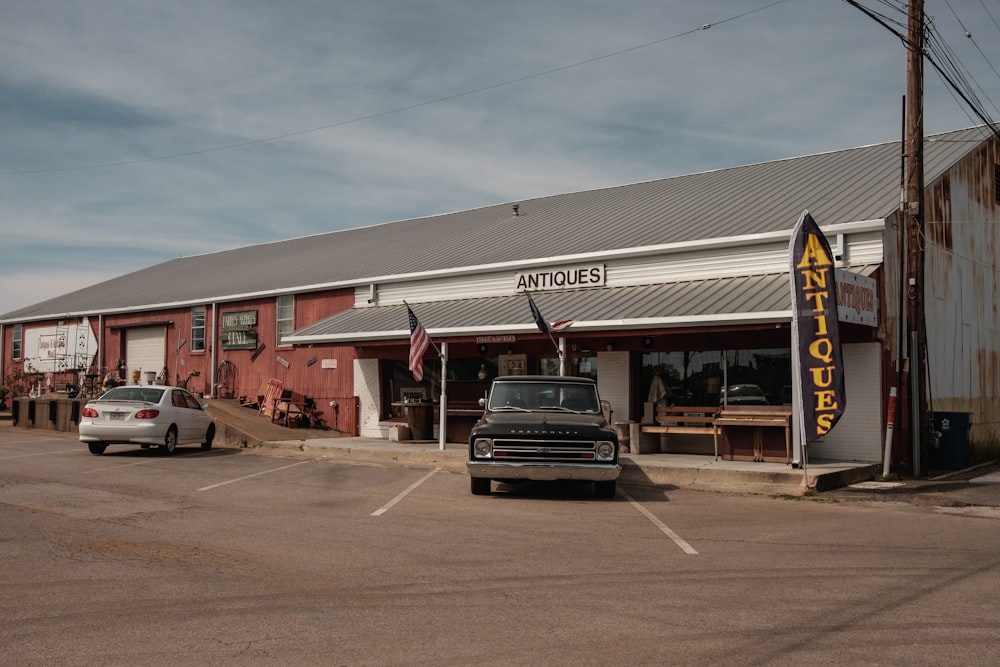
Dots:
(540, 322)
(419, 340)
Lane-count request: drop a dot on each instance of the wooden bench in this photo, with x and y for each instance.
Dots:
(676, 419)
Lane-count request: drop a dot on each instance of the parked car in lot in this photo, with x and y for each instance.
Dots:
(743, 394)
(148, 416)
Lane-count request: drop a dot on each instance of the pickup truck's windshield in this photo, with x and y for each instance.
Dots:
(544, 396)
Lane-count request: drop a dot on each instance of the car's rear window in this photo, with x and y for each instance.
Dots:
(148, 394)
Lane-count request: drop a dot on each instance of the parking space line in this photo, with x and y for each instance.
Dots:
(256, 474)
(385, 508)
(24, 456)
(154, 458)
(685, 547)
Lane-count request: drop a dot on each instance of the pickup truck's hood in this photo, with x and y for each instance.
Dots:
(549, 424)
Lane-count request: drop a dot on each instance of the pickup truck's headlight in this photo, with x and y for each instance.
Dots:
(483, 448)
(605, 451)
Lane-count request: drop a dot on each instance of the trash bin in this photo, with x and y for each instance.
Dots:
(950, 450)
(420, 419)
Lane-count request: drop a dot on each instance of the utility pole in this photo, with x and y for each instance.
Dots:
(913, 217)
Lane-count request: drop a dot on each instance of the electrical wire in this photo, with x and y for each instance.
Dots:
(938, 54)
(408, 107)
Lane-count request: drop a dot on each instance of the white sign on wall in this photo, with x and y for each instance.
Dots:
(561, 278)
(857, 298)
(54, 349)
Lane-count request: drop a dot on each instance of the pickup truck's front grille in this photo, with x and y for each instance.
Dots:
(543, 450)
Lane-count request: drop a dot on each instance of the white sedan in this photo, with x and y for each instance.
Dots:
(146, 415)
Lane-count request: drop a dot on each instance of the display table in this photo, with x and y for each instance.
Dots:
(755, 433)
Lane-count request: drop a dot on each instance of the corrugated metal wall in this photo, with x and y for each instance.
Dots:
(962, 288)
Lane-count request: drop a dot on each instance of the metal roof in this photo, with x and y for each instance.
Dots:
(841, 186)
(755, 299)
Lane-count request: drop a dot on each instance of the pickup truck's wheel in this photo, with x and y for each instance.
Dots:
(605, 489)
(96, 448)
(481, 486)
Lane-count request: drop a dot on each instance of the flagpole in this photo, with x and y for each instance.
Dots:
(443, 416)
(416, 326)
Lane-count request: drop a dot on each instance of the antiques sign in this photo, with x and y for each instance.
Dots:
(239, 330)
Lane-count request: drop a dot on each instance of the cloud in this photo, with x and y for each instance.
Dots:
(378, 120)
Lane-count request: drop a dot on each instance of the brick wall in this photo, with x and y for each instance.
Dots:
(366, 389)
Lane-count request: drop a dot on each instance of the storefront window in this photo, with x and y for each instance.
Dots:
(398, 385)
(770, 370)
(756, 376)
(584, 367)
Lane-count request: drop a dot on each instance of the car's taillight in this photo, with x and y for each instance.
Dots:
(89, 412)
(146, 414)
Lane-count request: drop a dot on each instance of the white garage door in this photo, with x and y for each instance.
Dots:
(145, 349)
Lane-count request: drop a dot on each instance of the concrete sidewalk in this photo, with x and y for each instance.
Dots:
(243, 427)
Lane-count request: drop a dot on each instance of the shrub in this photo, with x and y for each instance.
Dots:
(18, 382)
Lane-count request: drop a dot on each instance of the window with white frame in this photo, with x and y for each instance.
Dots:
(285, 316)
(198, 329)
(15, 353)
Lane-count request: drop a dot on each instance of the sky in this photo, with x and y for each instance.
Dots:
(133, 132)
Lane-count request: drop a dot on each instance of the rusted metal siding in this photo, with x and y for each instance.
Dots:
(962, 289)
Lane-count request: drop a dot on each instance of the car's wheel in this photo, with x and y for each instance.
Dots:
(170, 441)
(481, 486)
(209, 437)
(96, 448)
(605, 489)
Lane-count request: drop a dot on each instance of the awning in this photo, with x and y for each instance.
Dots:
(713, 302)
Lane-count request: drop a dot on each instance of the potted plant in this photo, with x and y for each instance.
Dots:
(16, 383)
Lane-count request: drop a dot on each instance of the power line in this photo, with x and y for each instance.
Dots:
(408, 107)
(935, 49)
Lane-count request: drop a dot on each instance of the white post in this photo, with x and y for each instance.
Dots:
(562, 356)
(890, 418)
(443, 418)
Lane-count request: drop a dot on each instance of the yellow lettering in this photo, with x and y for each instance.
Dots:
(815, 279)
(817, 299)
(813, 254)
(821, 349)
(826, 400)
(822, 377)
(823, 424)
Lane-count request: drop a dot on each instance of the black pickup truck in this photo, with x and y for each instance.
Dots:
(541, 427)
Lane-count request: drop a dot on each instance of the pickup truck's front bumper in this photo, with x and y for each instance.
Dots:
(544, 472)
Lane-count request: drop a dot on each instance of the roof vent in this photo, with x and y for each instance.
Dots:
(517, 209)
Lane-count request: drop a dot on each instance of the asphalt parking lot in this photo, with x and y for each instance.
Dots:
(227, 556)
